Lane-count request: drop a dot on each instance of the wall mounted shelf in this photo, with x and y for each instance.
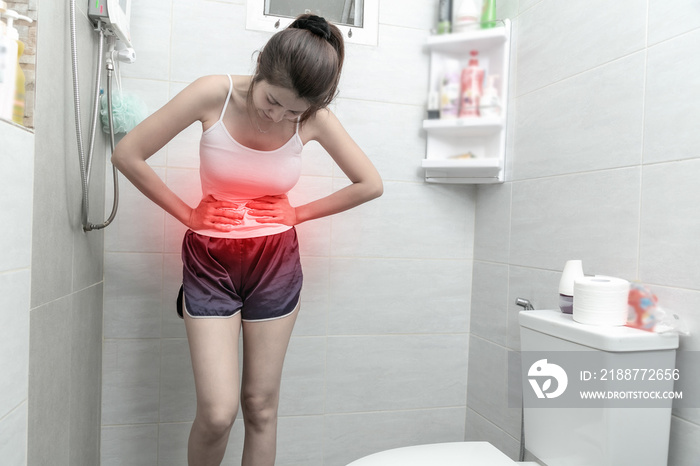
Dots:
(451, 141)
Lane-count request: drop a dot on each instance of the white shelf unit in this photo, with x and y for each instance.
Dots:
(447, 139)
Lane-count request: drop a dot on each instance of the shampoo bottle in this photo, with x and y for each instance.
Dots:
(490, 104)
(472, 79)
(12, 86)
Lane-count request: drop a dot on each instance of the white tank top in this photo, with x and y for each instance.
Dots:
(230, 171)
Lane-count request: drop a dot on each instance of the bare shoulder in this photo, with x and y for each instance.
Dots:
(205, 95)
(320, 125)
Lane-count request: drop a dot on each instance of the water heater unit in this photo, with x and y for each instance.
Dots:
(115, 15)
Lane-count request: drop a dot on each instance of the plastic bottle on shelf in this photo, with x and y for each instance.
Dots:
(444, 25)
(433, 105)
(450, 90)
(472, 79)
(467, 16)
(488, 14)
(12, 91)
(490, 103)
(7, 66)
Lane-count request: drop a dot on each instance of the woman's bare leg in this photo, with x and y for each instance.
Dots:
(214, 351)
(264, 347)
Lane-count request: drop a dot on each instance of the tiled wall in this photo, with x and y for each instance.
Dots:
(603, 167)
(378, 358)
(66, 266)
(16, 171)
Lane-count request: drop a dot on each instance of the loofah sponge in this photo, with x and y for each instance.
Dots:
(127, 111)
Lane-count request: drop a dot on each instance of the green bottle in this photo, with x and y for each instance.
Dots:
(488, 14)
(444, 17)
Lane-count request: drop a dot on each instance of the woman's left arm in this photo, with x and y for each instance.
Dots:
(366, 185)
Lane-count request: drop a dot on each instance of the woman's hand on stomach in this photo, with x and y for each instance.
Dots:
(212, 214)
(272, 209)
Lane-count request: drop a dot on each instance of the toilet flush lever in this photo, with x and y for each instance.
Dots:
(525, 304)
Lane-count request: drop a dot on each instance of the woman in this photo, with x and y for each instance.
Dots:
(240, 255)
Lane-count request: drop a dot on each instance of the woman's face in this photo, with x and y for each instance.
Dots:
(275, 104)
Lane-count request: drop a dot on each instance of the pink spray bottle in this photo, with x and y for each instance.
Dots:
(472, 81)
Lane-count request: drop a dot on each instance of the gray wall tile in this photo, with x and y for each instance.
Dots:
(234, 45)
(13, 432)
(131, 383)
(665, 22)
(538, 286)
(378, 296)
(85, 376)
(591, 120)
(401, 54)
(670, 225)
(14, 338)
(177, 390)
(135, 445)
(49, 382)
(126, 235)
(489, 302)
(366, 123)
(373, 373)
(411, 13)
(684, 449)
(579, 45)
(133, 295)
(669, 131)
(487, 392)
(303, 377)
(592, 216)
(313, 314)
(492, 223)
(375, 230)
(16, 195)
(300, 441)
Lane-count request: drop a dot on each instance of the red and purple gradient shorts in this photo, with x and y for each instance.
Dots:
(260, 277)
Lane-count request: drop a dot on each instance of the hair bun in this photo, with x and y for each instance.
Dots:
(313, 23)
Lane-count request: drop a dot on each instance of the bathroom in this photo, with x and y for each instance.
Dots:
(408, 308)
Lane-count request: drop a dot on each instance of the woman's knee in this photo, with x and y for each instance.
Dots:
(260, 410)
(217, 420)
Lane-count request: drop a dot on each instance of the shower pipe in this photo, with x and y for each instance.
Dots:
(86, 162)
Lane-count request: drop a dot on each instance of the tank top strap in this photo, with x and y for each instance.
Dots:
(228, 96)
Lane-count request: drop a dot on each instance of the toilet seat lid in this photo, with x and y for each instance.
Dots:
(444, 454)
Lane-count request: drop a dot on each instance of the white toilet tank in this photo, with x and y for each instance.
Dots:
(600, 436)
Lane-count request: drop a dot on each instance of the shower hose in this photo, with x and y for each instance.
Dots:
(86, 161)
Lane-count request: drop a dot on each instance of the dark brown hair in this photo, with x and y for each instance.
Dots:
(307, 58)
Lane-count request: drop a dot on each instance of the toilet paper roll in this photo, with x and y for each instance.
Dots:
(601, 301)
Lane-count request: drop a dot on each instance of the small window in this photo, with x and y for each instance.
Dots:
(357, 19)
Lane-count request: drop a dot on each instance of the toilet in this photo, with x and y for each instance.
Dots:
(569, 436)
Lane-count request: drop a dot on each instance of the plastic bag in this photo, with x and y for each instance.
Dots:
(644, 313)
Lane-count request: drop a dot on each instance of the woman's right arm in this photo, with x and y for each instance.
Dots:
(197, 102)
